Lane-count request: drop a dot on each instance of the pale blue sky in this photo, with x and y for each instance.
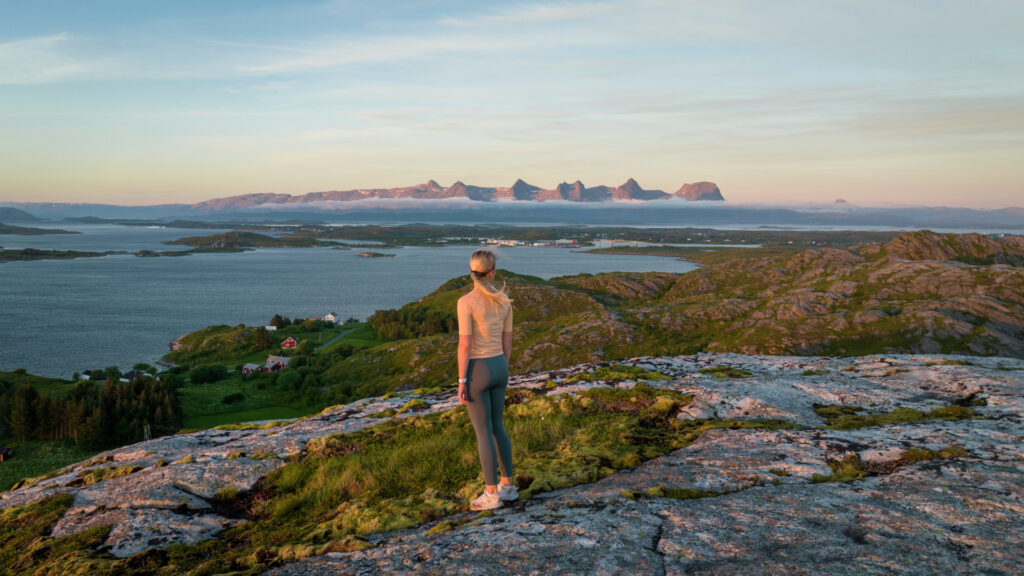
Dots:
(143, 102)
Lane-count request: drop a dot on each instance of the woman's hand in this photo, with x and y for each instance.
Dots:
(464, 394)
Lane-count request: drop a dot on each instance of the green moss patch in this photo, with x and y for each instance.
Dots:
(922, 454)
(814, 372)
(840, 417)
(617, 372)
(681, 493)
(101, 474)
(848, 469)
(726, 372)
(950, 362)
(442, 526)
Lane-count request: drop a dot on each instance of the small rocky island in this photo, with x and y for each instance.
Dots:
(375, 255)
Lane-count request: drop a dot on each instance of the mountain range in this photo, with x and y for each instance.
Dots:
(431, 190)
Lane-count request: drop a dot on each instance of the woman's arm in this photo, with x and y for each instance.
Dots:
(506, 336)
(465, 346)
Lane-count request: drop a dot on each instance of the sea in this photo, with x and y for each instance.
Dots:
(64, 316)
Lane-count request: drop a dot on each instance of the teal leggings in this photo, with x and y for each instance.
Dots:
(488, 379)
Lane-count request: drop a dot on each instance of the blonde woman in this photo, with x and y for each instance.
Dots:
(485, 346)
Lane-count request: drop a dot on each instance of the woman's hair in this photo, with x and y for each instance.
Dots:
(480, 265)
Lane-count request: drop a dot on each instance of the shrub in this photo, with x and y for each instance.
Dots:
(233, 398)
(205, 373)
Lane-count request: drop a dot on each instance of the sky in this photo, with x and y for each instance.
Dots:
(877, 102)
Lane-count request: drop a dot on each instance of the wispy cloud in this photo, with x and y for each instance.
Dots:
(44, 59)
(533, 13)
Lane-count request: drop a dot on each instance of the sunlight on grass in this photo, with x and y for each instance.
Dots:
(405, 472)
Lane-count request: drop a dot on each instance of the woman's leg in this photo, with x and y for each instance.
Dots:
(479, 409)
(499, 385)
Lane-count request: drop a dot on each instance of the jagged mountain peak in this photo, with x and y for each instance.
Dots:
(630, 186)
(703, 190)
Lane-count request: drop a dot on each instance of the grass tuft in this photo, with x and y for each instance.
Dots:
(617, 372)
(100, 474)
(839, 417)
(848, 469)
(726, 372)
(912, 455)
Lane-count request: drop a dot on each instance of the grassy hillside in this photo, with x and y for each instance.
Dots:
(919, 292)
(869, 299)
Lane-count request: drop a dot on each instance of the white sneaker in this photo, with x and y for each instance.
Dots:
(486, 501)
(508, 493)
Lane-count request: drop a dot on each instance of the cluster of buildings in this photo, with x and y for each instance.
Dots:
(101, 375)
(273, 364)
(563, 243)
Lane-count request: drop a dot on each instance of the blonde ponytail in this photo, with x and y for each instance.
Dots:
(480, 265)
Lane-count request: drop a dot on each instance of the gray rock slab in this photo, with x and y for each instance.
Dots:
(971, 505)
(932, 518)
(135, 530)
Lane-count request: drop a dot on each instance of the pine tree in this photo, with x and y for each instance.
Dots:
(22, 418)
(261, 338)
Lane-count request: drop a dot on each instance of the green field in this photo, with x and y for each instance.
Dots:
(205, 399)
(265, 413)
(42, 384)
(359, 336)
(36, 458)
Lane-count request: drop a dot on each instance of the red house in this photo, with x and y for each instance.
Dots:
(289, 343)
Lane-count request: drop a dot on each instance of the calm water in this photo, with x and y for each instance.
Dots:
(63, 316)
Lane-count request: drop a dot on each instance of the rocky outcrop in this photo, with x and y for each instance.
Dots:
(743, 500)
(700, 191)
(913, 294)
(969, 248)
(734, 499)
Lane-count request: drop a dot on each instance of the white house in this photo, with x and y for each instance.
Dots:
(251, 368)
(275, 363)
(331, 317)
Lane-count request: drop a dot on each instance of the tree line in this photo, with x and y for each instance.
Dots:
(411, 322)
(93, 416)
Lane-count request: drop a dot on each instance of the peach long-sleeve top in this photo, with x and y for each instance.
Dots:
(484, 321)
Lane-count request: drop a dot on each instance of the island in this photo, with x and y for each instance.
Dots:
(28, 231)
(37, 254)
(242, 239)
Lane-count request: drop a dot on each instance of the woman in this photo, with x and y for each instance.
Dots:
(485, 345)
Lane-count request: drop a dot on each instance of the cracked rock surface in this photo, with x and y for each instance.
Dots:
(736, 501)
